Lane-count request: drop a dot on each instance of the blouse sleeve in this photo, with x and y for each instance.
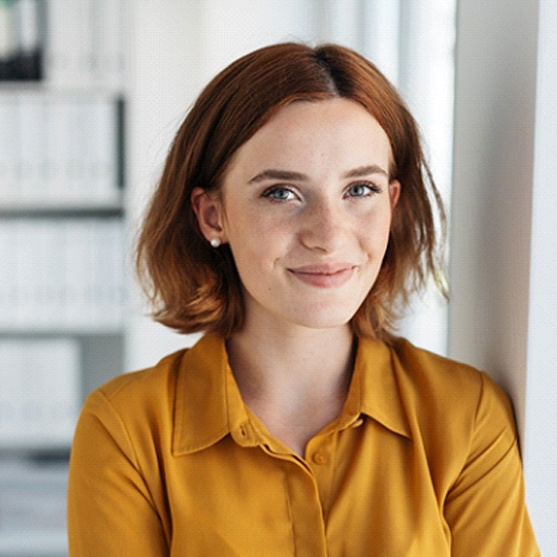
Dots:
(110, 510)
(485, 508)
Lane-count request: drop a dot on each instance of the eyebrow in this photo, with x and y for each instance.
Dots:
(290, 176)
(362, 171)
(273, 174)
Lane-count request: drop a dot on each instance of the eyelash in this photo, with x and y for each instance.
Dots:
(371, 189)
(270, 192)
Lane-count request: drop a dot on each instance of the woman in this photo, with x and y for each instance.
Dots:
(293, 219)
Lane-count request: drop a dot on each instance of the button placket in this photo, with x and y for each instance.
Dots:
(320, 458)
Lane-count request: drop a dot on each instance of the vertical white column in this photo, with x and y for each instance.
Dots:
(540, 428)
(503, 311)
(495, 103)
(164, 54)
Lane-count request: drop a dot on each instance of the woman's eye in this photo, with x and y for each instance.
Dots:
(362, 190)
(279, 194)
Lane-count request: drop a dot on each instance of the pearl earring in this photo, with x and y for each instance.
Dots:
(215, 242)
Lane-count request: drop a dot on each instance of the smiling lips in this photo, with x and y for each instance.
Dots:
(324, 276)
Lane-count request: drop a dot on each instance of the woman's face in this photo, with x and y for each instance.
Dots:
(306, 209)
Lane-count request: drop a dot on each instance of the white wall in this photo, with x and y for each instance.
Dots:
(503, 305)
(540, 431)
(495, 100)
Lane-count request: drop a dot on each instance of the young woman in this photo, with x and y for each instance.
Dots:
(293, 220)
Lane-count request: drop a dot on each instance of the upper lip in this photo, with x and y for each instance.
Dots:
(323, 268)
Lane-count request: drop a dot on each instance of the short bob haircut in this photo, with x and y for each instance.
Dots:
(193, 287)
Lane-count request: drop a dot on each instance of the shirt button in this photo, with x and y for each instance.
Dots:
(320, 458)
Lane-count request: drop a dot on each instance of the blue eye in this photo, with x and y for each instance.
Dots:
(362, 190)
(279, 194)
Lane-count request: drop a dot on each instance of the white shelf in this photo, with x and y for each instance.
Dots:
(23, 486)
(38, 206)
(63, 331)
(56, 330)
(45, 89)
(35, 444)
(40, 543)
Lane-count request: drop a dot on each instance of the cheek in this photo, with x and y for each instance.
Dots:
(375, 230)
(255, 245)
(246, 231)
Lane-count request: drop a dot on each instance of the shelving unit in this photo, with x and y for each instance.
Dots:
(62, 246)
(33, 495)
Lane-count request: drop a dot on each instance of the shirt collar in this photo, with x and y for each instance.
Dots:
(375, 391)
(208, 404)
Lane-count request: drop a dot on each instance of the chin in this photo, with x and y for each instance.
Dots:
(328, 321)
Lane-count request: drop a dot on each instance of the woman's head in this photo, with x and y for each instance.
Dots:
(196, 287)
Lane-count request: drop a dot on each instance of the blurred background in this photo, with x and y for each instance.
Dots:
(91, 95)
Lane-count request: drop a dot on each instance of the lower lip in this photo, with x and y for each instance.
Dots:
(320, 280)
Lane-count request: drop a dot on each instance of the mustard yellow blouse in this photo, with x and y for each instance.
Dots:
(422, 462)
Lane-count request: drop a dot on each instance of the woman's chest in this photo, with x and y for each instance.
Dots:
(351, 496)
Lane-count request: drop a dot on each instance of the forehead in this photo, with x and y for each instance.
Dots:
(338, 131)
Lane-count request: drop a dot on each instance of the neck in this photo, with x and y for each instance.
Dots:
(294, 379)
(275, 365)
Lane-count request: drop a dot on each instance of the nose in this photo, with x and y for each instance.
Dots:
(323, 226)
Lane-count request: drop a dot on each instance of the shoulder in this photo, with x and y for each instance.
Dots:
(145, 381)
(440, 379)
(148, 390)
(131, 415)
(450, 400)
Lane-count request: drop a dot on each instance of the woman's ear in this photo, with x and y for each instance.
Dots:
(209, 212)
(394, 192)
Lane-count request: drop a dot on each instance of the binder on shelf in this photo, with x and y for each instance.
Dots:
(7, 38)
(80, 275)
(46, 290)
(8, 281)
(33, 499)
(39, 392)
(58, 126)
(29, 39)
(100, 149)
(32, 145)
(33, 508)
(9, 147)
(21, 40)
(27, 273)
(84, 45)
(66, 148)
(69, 42)
(75, 180)
(108, 261)
(62, 276)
